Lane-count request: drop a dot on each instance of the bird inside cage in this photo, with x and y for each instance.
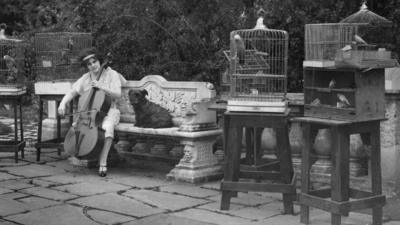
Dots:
(239, 49)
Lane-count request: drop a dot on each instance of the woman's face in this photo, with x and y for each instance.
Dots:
(93, 65)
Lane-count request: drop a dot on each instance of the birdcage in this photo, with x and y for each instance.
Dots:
(361, 40)
(57, 54)
(258, 69)
(15, 60)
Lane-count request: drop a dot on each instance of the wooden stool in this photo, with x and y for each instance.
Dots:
(233, 132)
(336, 199)
(56, 142)
(14, 96)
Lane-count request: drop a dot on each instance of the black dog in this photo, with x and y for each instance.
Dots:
(148, 114)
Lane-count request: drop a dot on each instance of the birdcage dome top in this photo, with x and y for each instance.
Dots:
(364, 15)
(3, 37)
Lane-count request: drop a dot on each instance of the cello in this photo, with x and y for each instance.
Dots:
(86, 138)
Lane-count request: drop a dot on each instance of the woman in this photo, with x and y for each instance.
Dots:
(110, 83)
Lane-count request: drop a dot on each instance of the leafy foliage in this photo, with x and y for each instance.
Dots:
(182, 40)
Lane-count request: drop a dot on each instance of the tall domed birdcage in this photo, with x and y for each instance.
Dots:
(16, 59)
(258, 69)
(362, 40)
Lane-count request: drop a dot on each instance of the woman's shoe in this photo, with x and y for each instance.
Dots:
(102, 171)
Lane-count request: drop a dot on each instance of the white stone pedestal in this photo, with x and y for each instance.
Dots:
(198, 164)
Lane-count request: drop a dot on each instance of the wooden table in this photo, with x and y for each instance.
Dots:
(340, 199)
(233, 128)
(58, 141)
(13, 95)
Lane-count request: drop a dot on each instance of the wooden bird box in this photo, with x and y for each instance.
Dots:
(348, 94)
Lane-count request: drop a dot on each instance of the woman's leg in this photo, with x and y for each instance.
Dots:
(109, 122)
(104, 152)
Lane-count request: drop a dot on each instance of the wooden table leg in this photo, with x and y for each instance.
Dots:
(340, 169)
(305, 172)
(15, 129)
(21, 127)
(39, 133)
(376, 175)
(286, 168)
(232, 164)
(249, 134)
(229, 157)
(58, 128)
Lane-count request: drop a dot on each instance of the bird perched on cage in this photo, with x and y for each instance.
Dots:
(343, 102)
(332, 83)
(359, 40)
(239, 48)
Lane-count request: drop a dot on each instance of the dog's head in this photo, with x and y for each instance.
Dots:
(136, 96)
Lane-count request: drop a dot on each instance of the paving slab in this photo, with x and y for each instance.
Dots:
(43, 183)
(119, 204)
(211, 217)
(163, 219)
(63, 178)
(140, 182)
(91, 188)
(16, 184)
(64, 164)
(32, 202)
(164, 200)
(215, 206)
(324, 218)
(277, 206)
(105, 217)
(44, 158)
(282, 219)
(7, 176)
(253, 213)
(189, 190)
(5, 222)
(34, 170)
(49, 193)
(10, 205)
(8, 160)
(245, 199)
(5, 190)
(60, 215)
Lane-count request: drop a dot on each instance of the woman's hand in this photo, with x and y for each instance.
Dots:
(61, 110)
(95, 84)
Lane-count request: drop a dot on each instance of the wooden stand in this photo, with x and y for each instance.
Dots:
(56, 142)
(336, 199)
(14, 98)
(233, 128)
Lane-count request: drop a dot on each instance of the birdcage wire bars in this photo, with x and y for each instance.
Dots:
(258, 70)
(16, 59)
(57, 54)
(347, 44)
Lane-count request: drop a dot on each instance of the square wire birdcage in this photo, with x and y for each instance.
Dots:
(359, 45)
(57, 54)
(258, 70)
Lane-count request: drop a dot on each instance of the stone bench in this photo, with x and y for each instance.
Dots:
(190, 142)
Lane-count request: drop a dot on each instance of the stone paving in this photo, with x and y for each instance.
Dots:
(54, 192)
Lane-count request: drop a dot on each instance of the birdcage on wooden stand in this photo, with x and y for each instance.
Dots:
(258, 69)
(361, 40)
(16, 59)
(57, 54)
(344, 67)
